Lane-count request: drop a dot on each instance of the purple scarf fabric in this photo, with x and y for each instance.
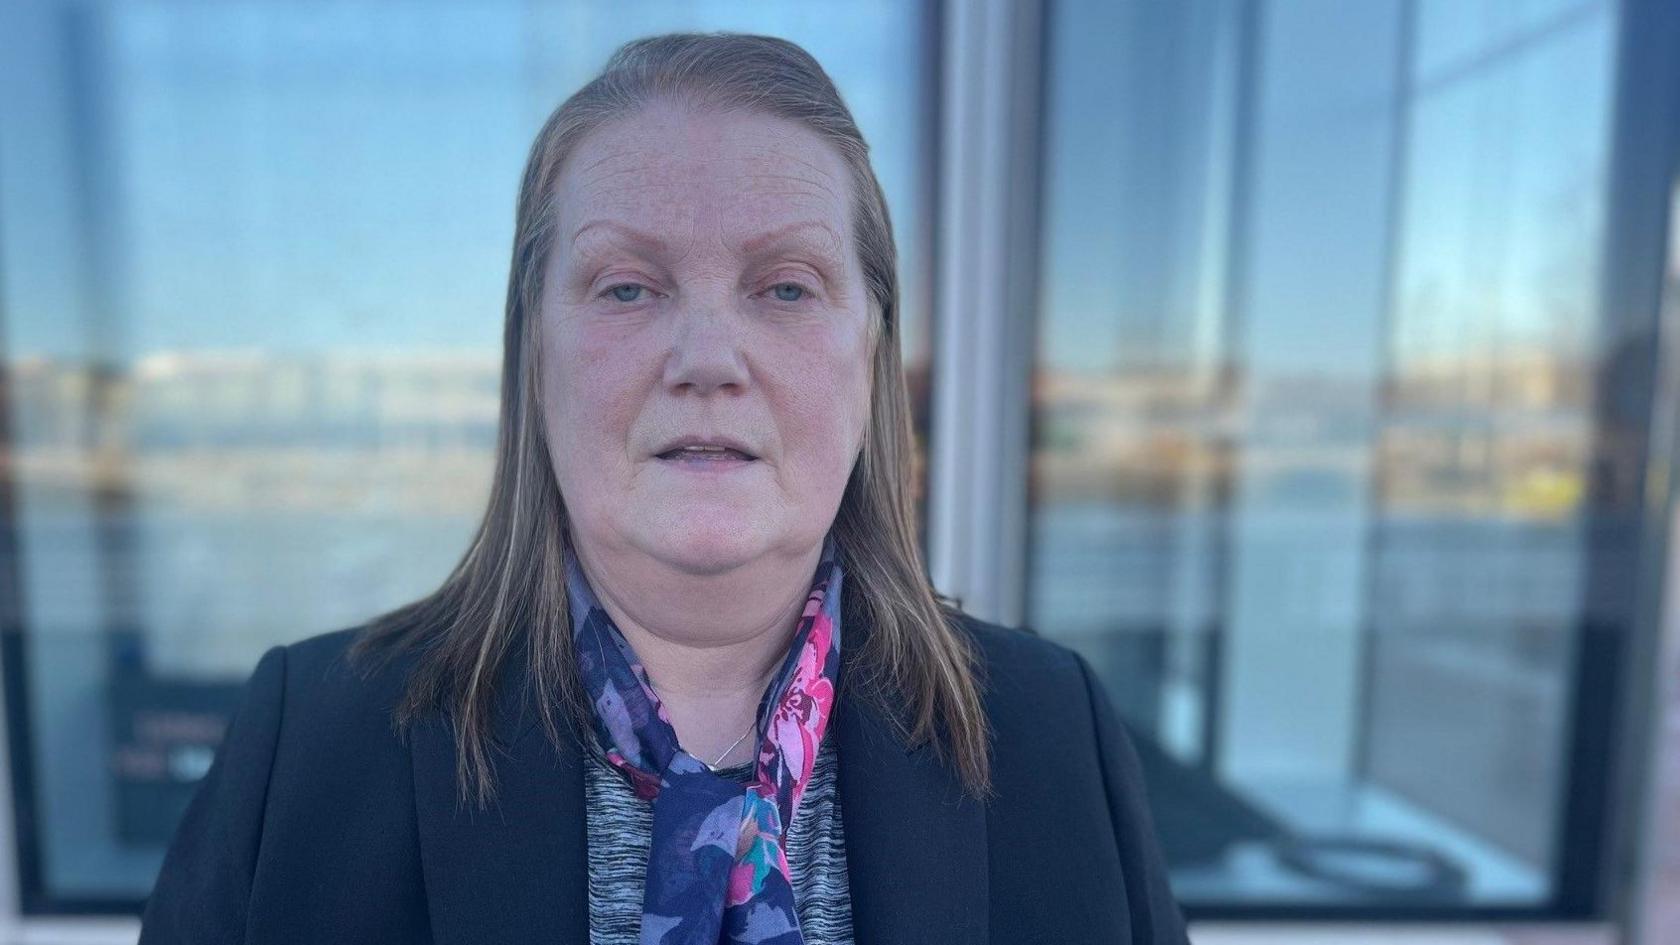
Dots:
(717, 870)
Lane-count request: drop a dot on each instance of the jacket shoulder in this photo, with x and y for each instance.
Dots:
(333, 693)
(340, 793)
(1030, 685)
(1020, 657)
(307, 782)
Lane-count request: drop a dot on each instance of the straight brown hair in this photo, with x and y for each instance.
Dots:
(918, 669)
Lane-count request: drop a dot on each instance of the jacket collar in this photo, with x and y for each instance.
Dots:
(916, 849)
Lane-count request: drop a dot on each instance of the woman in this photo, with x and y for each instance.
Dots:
(689, 683)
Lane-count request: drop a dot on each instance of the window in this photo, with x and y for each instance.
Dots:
(1314, 431)
(252, 264)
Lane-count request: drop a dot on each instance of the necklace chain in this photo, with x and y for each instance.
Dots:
(713, 765)
(731, 748)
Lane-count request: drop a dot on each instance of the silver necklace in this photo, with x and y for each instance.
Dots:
(726, 751)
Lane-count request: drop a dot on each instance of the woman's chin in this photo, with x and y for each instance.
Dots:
(713, 539)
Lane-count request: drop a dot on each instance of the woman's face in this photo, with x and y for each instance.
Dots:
(703, 286)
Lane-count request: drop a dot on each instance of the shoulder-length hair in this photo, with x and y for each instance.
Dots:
(918, 666)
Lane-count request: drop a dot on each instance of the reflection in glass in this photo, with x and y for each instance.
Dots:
(252, 263)
(1312, 424)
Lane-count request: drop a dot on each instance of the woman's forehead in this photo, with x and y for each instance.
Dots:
(752, 179)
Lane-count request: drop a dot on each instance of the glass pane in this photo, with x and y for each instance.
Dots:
(1316, 344)
(252, 267)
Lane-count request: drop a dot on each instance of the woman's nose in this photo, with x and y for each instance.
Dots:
(706, 348)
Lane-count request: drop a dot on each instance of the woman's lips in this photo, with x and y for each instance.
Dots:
(707, 461)
(705, 456)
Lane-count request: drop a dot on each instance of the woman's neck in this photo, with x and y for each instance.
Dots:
(710, 643)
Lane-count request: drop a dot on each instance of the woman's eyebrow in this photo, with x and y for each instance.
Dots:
(812, 235)
(636, 238)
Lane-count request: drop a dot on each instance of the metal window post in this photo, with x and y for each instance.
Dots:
(985, 297)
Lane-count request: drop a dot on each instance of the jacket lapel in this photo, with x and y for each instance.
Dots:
(916, 849)
(518, 869)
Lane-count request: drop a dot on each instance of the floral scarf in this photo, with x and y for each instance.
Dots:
(717, 869)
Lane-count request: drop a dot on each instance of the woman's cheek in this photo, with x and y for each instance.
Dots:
(601, 393)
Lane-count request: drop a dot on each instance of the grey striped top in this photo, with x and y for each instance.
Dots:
(620, 830)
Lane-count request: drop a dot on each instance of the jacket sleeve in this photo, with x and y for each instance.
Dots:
(203, 889)
(1155, 914)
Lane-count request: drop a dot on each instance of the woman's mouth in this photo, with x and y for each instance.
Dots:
(706, 457)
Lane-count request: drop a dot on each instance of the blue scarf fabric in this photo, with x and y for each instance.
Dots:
(717, 868)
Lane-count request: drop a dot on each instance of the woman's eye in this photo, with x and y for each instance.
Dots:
(789, 292)
(628, 292)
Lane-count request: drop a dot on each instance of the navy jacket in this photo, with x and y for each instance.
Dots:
(317, 823)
